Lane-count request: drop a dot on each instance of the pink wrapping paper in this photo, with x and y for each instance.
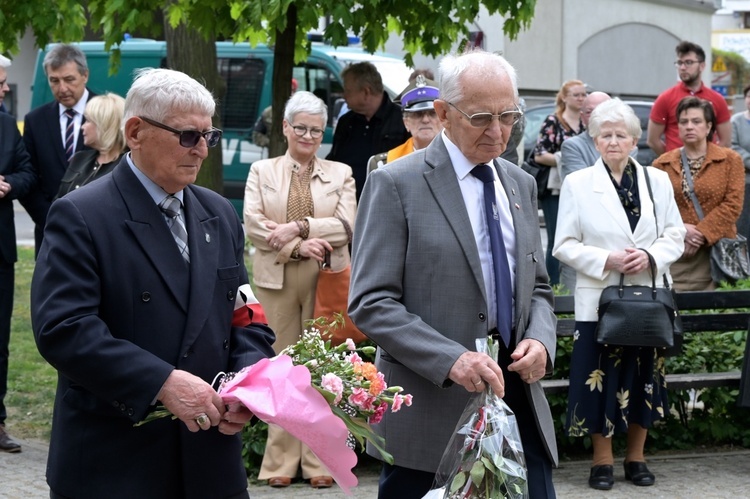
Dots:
(278, 392)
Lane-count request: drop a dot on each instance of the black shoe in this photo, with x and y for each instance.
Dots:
(638, 473)
(601, 477)
(7, 444)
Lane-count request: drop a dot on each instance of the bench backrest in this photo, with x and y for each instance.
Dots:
(700, 311)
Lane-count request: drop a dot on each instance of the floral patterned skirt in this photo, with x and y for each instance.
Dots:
(611, 387)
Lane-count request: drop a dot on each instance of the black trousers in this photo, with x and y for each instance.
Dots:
(7, 283)
(397, 482)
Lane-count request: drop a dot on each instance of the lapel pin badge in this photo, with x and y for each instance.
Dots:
(208, 238)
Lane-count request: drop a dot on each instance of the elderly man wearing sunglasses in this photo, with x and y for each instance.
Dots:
(134, 291)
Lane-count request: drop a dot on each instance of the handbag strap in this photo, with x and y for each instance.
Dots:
(347, 228)
(652, 265)
(656, 222)
(689, 179)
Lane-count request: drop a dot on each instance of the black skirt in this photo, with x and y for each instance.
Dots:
(612, 387)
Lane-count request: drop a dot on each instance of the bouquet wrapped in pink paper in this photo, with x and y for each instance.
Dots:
(484, 458)
(319, 393)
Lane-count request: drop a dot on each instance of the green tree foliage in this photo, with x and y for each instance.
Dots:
(427, 26)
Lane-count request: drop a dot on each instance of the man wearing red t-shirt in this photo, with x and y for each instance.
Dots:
(690, 63)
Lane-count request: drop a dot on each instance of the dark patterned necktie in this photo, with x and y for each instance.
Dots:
(171, 208)
(70, 133)
(500, 265)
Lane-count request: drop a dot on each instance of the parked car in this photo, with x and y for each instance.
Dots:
(536, 115)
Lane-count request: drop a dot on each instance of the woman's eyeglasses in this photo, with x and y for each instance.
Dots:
(301, 130)
(189, 138)
(483, 120)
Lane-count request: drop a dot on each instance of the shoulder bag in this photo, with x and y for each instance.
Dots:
(640, 316)
(539, 172)
(729, 257)
(332, 297)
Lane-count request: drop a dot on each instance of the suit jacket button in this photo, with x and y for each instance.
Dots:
(230, 295)
(146, 296)
(123, 407)
(482, 317)
(226, 344)
(131, 412)
(115, 404)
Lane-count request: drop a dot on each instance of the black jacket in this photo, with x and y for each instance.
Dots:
(356, 138)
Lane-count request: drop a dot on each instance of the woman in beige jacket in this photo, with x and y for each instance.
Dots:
(297, 207)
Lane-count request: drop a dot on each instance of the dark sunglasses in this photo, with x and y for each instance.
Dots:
(189, 138)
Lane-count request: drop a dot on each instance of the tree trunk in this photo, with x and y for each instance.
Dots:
(189, 52)
(283, 64)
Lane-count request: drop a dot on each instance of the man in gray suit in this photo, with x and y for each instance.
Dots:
(579, 152)
(423, 284)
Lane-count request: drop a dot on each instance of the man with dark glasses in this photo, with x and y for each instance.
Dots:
(132, 303)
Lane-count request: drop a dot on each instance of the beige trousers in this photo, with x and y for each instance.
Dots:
(694, 273)
(287, 309)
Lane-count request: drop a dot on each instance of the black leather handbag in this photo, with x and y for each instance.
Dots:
(540, 174)
(637, 316)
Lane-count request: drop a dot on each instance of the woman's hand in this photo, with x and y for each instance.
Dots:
(281, 234)
(629, 261)
(314, 248)
(693, 240)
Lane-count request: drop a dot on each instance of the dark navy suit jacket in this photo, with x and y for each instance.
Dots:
(115, 309)
(16, 168)
(44, 141)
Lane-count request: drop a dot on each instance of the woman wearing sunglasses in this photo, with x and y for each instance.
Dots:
(297, 208)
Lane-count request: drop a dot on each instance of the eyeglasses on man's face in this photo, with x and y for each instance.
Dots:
(301, 130)
(687, 63)
(189, 138)
(483, 120)
(419, 115)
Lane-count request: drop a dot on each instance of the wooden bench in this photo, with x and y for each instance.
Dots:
(701, 311)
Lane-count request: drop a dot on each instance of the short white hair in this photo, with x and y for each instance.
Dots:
(4, 62)
(488, 65)
(160, 93)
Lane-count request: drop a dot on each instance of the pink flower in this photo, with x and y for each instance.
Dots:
(350, 344)
(361, 399)
(333, 384)
(398, 400)
(378, 414)
(354, 358)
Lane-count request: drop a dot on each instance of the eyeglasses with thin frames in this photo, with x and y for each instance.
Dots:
(301, 130)
(687, 64)
(483, 120)
(189, 138)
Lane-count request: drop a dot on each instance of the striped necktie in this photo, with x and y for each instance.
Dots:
(171, 208)
(70, 133)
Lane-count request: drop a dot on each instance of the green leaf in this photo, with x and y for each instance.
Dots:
(477, 472)
(458, 481)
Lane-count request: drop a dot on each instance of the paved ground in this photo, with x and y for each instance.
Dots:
(704, 476)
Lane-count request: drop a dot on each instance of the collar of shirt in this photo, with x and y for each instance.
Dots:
(80, 107)
(157, 193)
(691, 92)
